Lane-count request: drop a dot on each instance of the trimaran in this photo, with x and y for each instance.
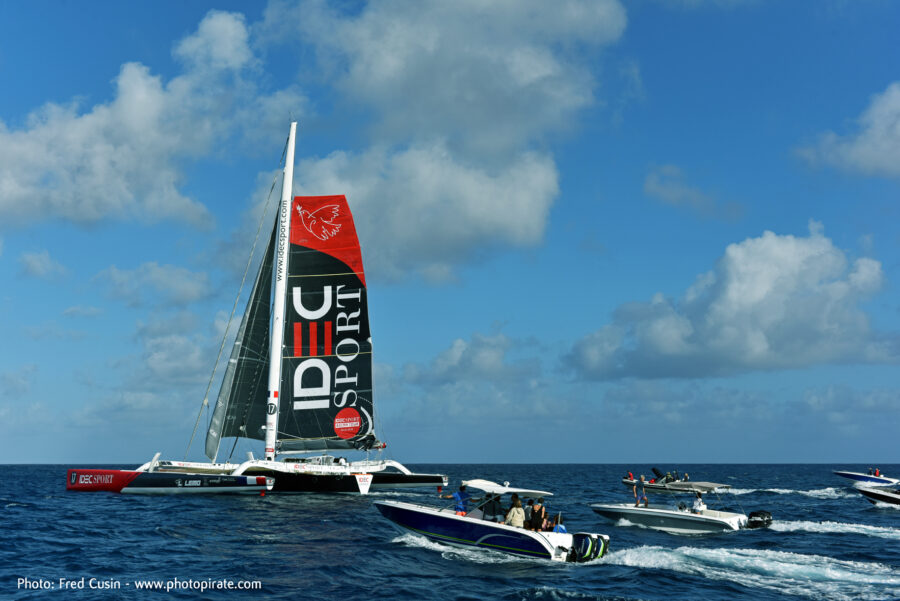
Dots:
(314, 397)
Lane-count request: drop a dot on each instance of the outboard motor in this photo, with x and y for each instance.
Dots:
(759, 519)
(587, 546)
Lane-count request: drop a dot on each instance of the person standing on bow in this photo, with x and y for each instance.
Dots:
(639, 493)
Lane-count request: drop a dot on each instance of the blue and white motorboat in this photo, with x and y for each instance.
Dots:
(475, 529)
(868, 479)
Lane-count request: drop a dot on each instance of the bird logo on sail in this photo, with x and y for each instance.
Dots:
(321, 222)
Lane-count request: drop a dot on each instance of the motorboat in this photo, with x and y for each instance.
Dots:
(676, 486)
(880, 495)
(679, 518)
(476, 528)
(869, 479)
(675, 520)
(673, 484)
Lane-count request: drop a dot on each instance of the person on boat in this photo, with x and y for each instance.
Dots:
(699, 505)
(462, 500)
(491, 510)
(639, 493)
(529, 507)
(512, 502)
(558, 524)
(516, 515)
(630, 476)
(877, 473)
(686, 477)
(538, 515)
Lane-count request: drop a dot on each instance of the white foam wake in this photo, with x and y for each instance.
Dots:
(812, 576)
(480, 555)
(831, 492)
(836, 528)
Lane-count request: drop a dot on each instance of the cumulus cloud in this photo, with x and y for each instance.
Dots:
(122, 159)
(422, 210)
(151, 282)
(459, 97)
(874, 148)
(772, 302)
(667, 183)
(40, 265)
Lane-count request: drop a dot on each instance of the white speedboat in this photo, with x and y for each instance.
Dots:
(880, 495)
(474, 529)
(675, 520)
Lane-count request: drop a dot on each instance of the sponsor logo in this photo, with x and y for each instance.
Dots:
(321, 222)
(73, 477)
(327, 377)
(347, 423)
(94, 479)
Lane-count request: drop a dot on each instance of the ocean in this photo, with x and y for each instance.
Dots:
(827, 542)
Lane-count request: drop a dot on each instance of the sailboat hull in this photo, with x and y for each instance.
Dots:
(163, 483)
(389, 480)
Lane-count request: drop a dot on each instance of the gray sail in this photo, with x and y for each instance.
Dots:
(240, 408)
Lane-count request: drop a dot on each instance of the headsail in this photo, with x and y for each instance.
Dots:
(241, 407)
(326, 386)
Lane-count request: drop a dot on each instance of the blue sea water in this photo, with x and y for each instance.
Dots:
(827, 542)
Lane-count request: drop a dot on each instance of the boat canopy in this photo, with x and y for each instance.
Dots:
(505, 488)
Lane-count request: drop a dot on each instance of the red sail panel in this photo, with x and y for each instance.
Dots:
(324, 223)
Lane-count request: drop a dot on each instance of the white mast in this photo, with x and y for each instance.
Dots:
(281, 273)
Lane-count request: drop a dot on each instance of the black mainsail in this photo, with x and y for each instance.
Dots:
(326, 376)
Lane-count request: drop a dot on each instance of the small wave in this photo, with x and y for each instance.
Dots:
(820, 493)
(449, 552)
(836, 528)
(813, 576)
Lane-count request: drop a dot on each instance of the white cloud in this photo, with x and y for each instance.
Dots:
(460, 95)
(422, 210)
(773, 302)
(667, 183)
(874, 148)
(17, 384)
(82, 311)
(40, 265)
(123, 159)
(152, 282)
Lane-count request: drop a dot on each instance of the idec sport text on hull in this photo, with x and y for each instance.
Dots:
(337, 321)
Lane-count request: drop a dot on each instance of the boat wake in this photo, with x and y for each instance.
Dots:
(811, 576)
(832, 492)
(836, 528)
(451, 552)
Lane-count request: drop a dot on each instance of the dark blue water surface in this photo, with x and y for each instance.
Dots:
(828, 542)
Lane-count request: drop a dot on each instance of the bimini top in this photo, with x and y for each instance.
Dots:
(505, 488)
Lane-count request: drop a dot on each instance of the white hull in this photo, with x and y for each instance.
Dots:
(674, 521)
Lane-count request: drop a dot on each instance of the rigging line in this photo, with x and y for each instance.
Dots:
(205, 403)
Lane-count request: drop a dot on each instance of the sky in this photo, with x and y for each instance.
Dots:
(637, 232)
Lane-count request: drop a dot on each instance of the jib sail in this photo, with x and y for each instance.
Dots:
(241, 406)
